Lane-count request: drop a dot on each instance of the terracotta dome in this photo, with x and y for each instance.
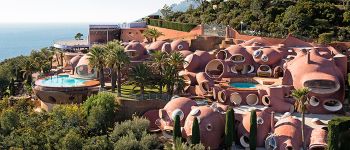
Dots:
(179, 45)
(155, 46)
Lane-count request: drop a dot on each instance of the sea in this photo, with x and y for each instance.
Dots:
(21, 39)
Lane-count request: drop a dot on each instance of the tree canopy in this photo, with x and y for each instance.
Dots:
(304, 18)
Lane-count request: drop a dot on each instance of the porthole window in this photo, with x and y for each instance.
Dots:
(178, 112)
(259, 120)
(257, 53)
(195, 112)
(180, 47)
(209, 127)
(265, 58)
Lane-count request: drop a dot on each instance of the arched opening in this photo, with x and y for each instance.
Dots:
(242, 69)
(82, 70)
(266, 100)
(236, 99)
(252, 99)
(322, 86)
(204, 86)
(248, 69)
(289, 148)
(244, 140)
(264, 71)
(278, 72)
(332, 105)
(132, 53)
(222, 55)
(314, 101)
(214, 68)
(237, 58)
(222, 96)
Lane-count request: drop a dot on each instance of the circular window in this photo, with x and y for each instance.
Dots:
(209, 127)
(259, 120)
(180, 47)
(257, 53)
(265, 58)
(195, 112)
(178, 112)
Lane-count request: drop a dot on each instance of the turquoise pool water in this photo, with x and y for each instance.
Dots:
(243, 85)
(62, 81)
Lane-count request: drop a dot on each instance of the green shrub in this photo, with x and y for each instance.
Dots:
(97, 143)
(196, 138)
(253, 130)
(9, 120)
(336, 127)
(72, 140)
(149, 141)
(229, 128)
(187, 27)
(178, 145)
(137, 125)
(177, 128)
(131, 142)
(325, 38)
(128, 142)
(100, 111)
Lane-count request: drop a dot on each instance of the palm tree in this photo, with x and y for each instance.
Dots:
(116, 60)
(78, 36)
(159, 60)
(42, 59)
(300, 95)
(140, 77)
(97, 60)
(27, 71)
(152, 33)
(174, 65)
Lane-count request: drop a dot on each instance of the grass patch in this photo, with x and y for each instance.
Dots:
(128, 91)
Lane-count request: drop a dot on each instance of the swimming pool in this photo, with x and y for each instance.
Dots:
(241, 85)
(62, 81)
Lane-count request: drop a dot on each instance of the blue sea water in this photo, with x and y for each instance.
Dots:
(21, 39)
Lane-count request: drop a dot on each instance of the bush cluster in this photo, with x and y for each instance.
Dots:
(337, 129)
(186, 27)
(72, 127)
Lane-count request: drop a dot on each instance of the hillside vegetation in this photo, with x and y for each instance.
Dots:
(274, 18)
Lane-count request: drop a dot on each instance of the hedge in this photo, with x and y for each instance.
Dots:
(335, 127)
(187, 27)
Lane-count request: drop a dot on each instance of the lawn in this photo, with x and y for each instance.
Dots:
(128, 91)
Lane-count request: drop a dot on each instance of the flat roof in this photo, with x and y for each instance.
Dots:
(101, 26)
(68, 44)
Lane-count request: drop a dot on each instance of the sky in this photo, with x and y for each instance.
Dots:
(78, 11)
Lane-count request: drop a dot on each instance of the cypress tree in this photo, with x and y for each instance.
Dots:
(253, 130)
(12, 87)
(196, 139)
(177, 128)
(229, 128)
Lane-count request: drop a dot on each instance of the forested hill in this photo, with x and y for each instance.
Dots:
(274, 18)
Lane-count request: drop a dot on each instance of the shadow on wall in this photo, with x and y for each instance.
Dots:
(131, 107)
